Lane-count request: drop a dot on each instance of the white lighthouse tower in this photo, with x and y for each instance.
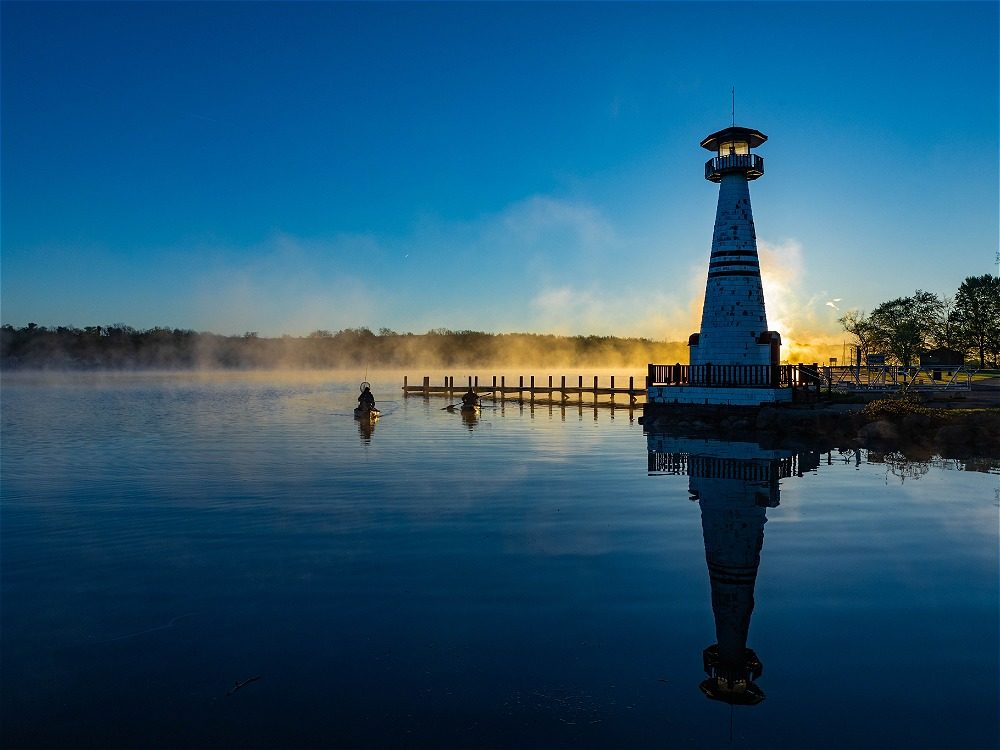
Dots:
(733, 319)
(734, 357)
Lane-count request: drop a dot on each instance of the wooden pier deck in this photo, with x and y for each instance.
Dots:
(550, 389)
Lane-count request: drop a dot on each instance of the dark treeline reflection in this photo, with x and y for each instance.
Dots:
(121, 347)
(734, 484)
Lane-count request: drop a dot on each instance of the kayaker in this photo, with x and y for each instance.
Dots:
(471, 398)
(366, 400)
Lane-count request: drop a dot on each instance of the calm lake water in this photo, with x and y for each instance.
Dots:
(537, 578)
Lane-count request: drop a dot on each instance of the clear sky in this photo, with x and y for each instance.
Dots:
(285, 167)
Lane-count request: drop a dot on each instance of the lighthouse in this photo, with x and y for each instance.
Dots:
(733, 318)
(734, 357)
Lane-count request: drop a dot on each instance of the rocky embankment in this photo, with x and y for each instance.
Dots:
(905, 425)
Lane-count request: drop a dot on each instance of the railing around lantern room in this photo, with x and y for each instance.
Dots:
(751, 164)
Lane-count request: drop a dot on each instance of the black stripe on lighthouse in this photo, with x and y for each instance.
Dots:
(744, 263)
(714, 274)
(739, 253)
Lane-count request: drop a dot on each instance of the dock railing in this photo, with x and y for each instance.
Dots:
(735, 376)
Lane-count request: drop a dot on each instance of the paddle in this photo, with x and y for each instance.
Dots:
(450, 407)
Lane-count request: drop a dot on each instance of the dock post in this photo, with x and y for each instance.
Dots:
(563, 386)
(631, 390)
(579, 389)
(427, 386)
(532, 389)
(405, 394)
(520, 388)
(595, 391)
(503, 385)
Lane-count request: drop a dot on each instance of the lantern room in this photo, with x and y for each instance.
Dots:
(733, 156)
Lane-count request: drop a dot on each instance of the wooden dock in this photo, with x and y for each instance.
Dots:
(531, 390)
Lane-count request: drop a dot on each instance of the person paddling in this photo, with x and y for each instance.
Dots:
(366, 400)
(470, 399)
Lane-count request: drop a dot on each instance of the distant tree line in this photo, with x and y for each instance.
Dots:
(905, 327)
(120, 346)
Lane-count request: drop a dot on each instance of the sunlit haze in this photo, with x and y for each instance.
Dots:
(287, 167)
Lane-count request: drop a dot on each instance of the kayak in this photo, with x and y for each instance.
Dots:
(471, 408)
(369, 415)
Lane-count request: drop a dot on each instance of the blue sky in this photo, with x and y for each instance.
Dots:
(284, 167)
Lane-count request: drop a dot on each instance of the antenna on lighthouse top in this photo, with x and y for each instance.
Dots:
(734, 106)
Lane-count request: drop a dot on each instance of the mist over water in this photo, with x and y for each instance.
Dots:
(121, 347)
(531, 577)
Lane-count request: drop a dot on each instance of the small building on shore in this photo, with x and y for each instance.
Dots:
(943, 358)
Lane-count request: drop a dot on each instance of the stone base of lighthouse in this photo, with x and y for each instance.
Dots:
(693, 394)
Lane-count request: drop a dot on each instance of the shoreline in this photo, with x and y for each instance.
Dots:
(917, 429)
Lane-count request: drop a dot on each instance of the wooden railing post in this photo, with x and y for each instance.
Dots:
(427, 386)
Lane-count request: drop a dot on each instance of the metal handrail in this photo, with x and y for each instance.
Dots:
(741, 376)
(734, 163)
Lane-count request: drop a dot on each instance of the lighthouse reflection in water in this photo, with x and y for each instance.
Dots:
(734, 484)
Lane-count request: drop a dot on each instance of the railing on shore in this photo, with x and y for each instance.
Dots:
(897, 378)
(532, 390)
(735, 376)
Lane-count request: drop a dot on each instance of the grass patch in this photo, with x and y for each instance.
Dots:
(898, 407)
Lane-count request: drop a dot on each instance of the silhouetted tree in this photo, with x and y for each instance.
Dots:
(905, 326)
(856, 323)
(977, 311)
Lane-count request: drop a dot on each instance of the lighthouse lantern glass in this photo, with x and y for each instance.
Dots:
(734, 147)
